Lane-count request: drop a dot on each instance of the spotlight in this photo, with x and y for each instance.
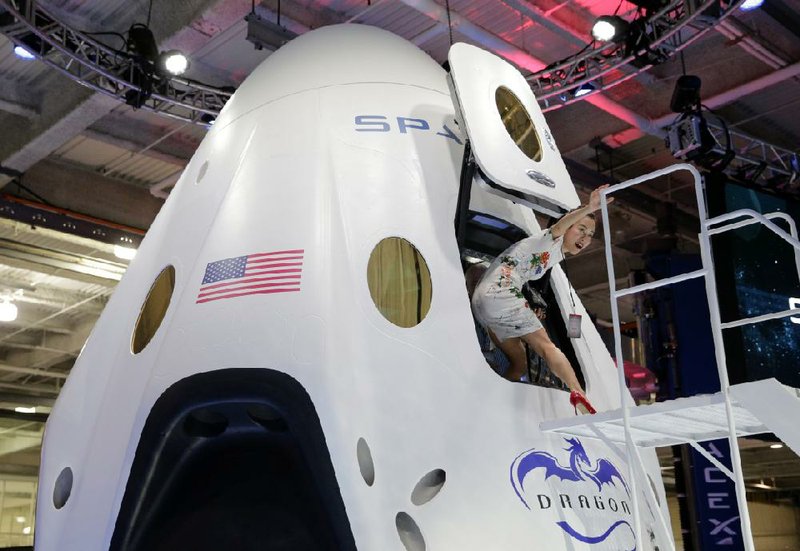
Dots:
(23, 53)
(8, 310)
(686, 96)
(208, 119)
(610, 28)
(173, 62)
(583, 89)
(748, 5)
(142, 43)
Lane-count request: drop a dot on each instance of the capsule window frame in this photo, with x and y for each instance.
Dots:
(424, 268)
(539, 154)
(136, 346)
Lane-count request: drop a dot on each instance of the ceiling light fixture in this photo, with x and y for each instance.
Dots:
(761, 486)
(776, 446)
(173, 62)
(125, 253)
(149, 65)
(610, 28)
(583, 89)
(748, 5)
(23, 53)
(8, 310)
(21, 409)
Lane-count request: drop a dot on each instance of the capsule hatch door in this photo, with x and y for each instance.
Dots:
(510, 140)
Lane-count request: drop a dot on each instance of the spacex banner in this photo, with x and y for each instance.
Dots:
(718, 524)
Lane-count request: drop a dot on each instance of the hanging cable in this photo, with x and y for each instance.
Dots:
(449, 22)
(149, 12)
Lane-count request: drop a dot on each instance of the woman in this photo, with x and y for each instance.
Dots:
(500, 307)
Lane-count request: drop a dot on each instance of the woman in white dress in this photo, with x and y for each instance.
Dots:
(500, 307)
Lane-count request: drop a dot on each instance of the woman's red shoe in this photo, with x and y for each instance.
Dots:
(579, 402)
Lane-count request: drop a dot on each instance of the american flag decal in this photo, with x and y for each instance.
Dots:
(254, 274)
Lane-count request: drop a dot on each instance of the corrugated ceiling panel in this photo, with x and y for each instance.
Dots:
(116, 161)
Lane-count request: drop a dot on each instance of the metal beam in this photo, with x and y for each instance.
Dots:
(26, 400)
(111, 271)
(57, 348)
(11, 414)
(69, 109)
(30, 371)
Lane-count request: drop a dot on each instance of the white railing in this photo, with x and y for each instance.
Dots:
(708, 227)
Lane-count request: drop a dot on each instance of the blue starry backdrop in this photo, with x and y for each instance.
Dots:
(766, 279)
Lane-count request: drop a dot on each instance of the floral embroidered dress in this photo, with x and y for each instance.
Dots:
(498, 303)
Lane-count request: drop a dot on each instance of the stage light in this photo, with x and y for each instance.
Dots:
(173, 62)
(686, 95)
(142, 44)
(610, 28)
(748, 5)
(23, 53)
(8, 310)
(583, 89)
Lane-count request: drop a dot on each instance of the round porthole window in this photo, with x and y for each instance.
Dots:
(62, 488)
(399, 282)
(153, 310)
(518, 123)
(202, 172)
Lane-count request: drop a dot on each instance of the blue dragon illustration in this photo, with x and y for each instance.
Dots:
(580, 469)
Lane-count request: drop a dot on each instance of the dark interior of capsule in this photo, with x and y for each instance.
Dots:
(486, 237)
(233, 459)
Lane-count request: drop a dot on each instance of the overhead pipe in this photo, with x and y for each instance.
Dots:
(730, 30)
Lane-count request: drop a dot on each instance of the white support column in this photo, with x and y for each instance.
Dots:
(623, 388)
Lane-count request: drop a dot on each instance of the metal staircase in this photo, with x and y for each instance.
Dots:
(737, 410)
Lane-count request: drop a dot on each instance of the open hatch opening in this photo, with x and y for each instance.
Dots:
(484, 238)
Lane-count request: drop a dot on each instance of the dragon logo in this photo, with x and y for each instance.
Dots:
(600, 475)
